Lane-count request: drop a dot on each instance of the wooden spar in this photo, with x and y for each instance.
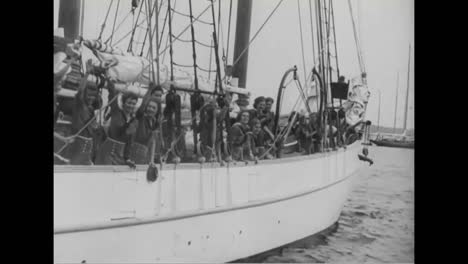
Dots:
(141, 91)
(396, 102)
(407, 91)
(244, 13)
(323, 94)
(69, 18)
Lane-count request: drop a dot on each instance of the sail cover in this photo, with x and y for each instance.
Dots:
(123, 67)
(358, 96)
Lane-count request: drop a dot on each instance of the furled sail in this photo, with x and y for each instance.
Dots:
(358, 96)
(124, 67)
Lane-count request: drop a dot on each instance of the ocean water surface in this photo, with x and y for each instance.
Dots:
(376, 224)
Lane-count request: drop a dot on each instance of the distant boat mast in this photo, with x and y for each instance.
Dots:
(407, 91)
(378, 116)
(396, 103)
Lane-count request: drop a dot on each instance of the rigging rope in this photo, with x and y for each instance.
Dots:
(115, 19)
(181, 65)
(218, 81)
(229, 30)
(169, 27)
(356, 39)
(302, 41)
(203, 44)
(162, 52)
(256, 34)
(150, 50)
(164, 26)
(130, 44)
(105, 20)
(196, 41)
(222, 45)
(148, 29)
(205, 70)
(185, 15)
(130, 32)
(312, 32)
(210, 61)
(118, 26)
(219, 18)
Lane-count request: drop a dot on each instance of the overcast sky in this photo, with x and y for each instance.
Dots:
(386, 29)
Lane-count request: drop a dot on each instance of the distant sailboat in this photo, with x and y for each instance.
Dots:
(403, 140)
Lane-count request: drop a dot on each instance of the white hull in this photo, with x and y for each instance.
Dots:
(210, 214)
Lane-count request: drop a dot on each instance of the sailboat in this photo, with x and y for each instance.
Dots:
(208, 212)
(397, 141)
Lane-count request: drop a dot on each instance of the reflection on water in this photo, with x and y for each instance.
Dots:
(377, 221)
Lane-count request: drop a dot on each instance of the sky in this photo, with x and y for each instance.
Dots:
(386, 29)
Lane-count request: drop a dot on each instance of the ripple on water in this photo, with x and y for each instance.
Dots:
(376, 224)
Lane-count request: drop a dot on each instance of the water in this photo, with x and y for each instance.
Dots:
(377, 221)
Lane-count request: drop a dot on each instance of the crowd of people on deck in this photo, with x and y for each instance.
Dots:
(129, 135)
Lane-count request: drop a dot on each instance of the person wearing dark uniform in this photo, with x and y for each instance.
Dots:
(172, 127)
(147, 117)
(258, 111)
(207, 114)
(268, 112)
(239, 137)
(85, 103)
(114, 150)
(258, 140)
(269, 119)
(305, 134)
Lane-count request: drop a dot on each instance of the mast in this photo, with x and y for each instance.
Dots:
(396, 103)
(69, 17)
(378, 116)
(407, 91)
(244, 13)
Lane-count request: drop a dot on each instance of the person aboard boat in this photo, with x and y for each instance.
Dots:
(223, 124)
(147, 118)
(239, 137)
(86, 102)
(306, 134)
(234, 108)
(258, 111)
(331, 129)
(114, 150)
(258, 140)
(208, 112)
(270, 115)
(172, 127)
